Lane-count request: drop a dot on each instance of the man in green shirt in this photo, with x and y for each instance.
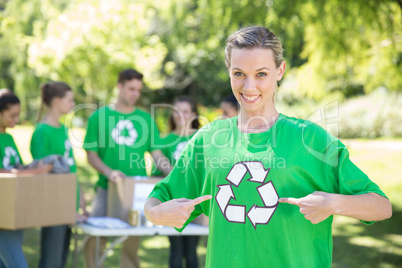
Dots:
(117, 138)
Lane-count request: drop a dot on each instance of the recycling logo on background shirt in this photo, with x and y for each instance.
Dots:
(123, 140)
(9, 153)
(267, 192)
(179, 149)
(67, 146)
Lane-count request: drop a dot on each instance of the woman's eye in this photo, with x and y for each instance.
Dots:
(261, 74)
(238, 74)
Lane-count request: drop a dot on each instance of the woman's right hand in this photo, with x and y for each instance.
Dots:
(173, 213)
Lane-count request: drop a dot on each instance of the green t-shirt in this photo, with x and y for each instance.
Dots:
(48, 140)
(172, 145)
(121, 140)
(9, 155)
(246, 174)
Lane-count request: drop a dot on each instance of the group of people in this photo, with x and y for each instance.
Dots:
(50, 137)
(117, 138)
(269, 183)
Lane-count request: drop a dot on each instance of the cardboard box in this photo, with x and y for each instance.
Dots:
(131, 194)
(202, 220)
(40, 200)
(127, 194)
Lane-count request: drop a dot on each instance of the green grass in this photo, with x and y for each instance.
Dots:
(355, 244)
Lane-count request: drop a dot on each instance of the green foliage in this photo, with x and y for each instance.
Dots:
(331, 46)
(372, 116)
(92, 41)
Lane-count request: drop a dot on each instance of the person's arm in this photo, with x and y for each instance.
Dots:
(161, 161)
(97, 163)
(173, 213)
(318, 206)
(41, 169)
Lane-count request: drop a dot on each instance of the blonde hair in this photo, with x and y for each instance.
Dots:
(254, 37)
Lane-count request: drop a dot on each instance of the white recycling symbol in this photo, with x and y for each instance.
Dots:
(67, 146)
(179, 149)
(267, 192)
(9, 152)
(132, 132)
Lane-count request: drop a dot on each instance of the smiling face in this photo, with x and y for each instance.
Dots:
(130, 91)
(10, 117)
(253, 77)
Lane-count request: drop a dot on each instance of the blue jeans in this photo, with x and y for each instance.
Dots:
(183, 246)
(54, 244)
(11, 254)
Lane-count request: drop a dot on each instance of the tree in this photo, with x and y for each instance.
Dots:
(92, 41)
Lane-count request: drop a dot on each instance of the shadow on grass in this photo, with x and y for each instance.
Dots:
(376, 245)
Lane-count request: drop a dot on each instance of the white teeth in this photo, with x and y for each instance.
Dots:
(250, 98)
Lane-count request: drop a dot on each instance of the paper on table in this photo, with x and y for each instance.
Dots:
(141, 193)
(108, 223)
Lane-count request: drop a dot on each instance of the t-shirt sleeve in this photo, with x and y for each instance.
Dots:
(40, 144)
(185, 181)
(351, 179)
(91, 140)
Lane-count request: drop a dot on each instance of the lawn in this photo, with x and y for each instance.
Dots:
(355, 244)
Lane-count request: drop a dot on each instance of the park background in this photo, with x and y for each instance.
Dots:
(344, 71)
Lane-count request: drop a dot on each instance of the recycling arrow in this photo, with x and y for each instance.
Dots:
(223, 196)
(260, 215)
(257, 171)
(237, 173)
(267, 192)
(235, 213)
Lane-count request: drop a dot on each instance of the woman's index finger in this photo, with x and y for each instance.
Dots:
(200, 199)
(289, 200)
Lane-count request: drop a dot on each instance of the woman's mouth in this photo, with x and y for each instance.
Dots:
(250, 98)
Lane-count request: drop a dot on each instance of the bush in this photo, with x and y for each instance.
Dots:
(371, 116)
(378, 114)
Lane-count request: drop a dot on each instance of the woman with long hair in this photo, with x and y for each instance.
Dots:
(51, 137)
(183, 124)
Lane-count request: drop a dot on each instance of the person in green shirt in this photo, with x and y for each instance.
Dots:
(269, 183)
(183, 123)
(50, 137)
(117, 138)
(11, 254)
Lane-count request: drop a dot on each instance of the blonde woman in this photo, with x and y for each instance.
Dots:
(269, 183)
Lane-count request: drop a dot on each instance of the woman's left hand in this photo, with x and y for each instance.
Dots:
(315, 207)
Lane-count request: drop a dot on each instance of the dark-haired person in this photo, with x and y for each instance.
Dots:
(184, 124)
(230, 106)
(269, 183)
(117, 138)
(50, 137)
(11, 254)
